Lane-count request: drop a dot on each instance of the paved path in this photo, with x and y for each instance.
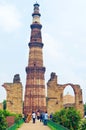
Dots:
(37, 126)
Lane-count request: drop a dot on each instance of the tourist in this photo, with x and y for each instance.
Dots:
(41, 116)
(51, 116)
(28, 118)
(38, 115)
(45, 118)
(33, 116)
(24, 117)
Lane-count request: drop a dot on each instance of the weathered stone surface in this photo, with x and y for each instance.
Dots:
(35, 98)
(55, 95)
(68, 99)
(16, 78)
(14, 97)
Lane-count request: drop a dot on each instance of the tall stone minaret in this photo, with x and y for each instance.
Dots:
(35, 98)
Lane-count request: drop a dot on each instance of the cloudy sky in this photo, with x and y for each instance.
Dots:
(63, 35)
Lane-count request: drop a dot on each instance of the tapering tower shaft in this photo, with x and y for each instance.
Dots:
(35, 98)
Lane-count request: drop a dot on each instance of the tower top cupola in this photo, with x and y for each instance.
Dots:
(36, 15)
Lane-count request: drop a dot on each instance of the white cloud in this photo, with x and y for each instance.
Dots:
(52, 47)
(9, 18)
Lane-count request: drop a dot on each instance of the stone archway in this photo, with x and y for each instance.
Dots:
(68, 97)
(55, 95)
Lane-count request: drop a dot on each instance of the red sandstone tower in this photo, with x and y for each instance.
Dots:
(35, 98)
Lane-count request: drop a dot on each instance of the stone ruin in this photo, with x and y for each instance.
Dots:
(14, 95)
(55, 95)
(16, 78)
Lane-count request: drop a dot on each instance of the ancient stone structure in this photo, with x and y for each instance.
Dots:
(16, 78)
(35, 83)
(55, 95)
(34, 98)
(68, 99)
(14, 95)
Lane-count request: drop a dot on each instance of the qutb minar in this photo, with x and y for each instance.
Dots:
(35, 98)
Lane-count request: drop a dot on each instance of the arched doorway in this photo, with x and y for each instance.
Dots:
(68, 97)
(57, 91)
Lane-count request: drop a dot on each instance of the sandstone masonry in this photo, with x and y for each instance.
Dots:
(55, 95)
(14, 96)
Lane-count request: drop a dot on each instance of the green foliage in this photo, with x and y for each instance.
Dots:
(3, 123)
(18, 117)
(69, 118)
(82, 124)
(85, 108)
(4, 114)
(4, 104)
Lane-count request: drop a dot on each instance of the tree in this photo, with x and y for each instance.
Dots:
(69, 118)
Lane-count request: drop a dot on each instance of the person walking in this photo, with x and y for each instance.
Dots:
(51, 116)
(38, 115)
(45, 118)
(33, 116)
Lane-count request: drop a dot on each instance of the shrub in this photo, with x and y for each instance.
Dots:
(82, 125)
(69, 118)
(3, 123)
(4, 114)
(18, 117)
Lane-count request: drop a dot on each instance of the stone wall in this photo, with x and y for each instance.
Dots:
(14, 96)
(68, 99)
(55, 95)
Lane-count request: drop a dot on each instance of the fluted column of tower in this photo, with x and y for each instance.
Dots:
(35, 98)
